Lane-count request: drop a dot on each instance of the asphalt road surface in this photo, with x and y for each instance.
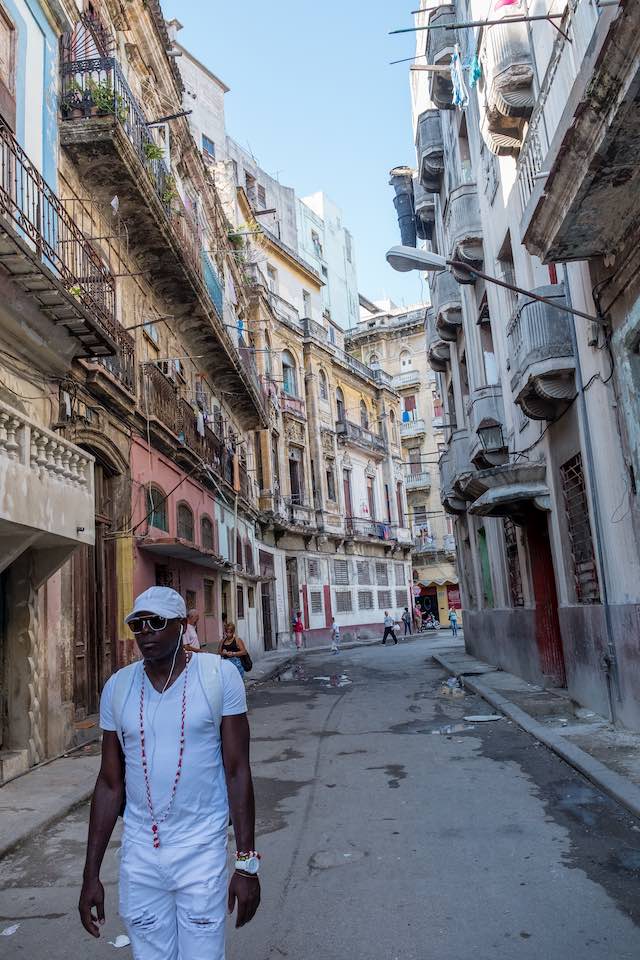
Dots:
(390, 828)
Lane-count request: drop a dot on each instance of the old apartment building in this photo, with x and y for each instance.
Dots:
(394, 339)
(525, 172)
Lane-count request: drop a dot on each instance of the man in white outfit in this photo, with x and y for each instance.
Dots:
(168, 722)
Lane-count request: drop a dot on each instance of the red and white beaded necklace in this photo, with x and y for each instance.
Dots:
(156, 820)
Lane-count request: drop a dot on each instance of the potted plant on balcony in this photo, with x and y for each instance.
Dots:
(152, 151)
(103, 98)
(75, 290)
(169, 192)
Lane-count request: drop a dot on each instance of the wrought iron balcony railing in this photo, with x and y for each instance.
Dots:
(43, 228)
(346, 430)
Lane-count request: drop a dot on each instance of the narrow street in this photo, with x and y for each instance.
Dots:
(390, 828)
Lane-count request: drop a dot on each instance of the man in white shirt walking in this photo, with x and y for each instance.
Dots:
(335, 637)
(176, 741)
(389, 624)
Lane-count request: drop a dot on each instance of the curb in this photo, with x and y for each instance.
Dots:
(616, 786)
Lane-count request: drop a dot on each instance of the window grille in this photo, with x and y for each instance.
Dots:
(343, 601)
(382, 574)
(384, 599)
(316, 601)
(248, 558)
(341, 571)
(579, 529)
(185, 522)
(513, 563)
(364, 572)
(313, 569)
(401, 598)
(206, 533)
(365, 600)
(157, 509)
(400, 574)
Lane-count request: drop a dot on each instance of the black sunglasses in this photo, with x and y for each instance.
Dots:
(154, 623)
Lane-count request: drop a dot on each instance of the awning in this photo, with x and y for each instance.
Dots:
(512, 490)
(179, 549)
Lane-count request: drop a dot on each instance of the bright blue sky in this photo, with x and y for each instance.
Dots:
(313, 96)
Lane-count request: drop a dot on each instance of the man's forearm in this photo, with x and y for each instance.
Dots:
(105, 807)
(242, 805)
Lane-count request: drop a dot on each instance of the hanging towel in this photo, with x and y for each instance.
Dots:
(475, 71)
(460, 94)
(200, 423)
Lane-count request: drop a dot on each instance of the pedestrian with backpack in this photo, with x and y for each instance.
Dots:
(406, 619)
(175, 751)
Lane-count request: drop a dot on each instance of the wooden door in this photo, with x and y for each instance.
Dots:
(548, 637)
(346, 481)
(267, 618)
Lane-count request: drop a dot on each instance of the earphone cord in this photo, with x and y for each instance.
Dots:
(152, 725)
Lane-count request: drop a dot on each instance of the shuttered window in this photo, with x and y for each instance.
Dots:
(364, 572)
(343, 601)
(579, 528)
(313, 569)
(341, 571)
(316, 601)
(384, 599)
(382, 574)
(365, 600)
(400, 574)
(401, 598)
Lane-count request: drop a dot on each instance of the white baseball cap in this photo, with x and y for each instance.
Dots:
(162, 601)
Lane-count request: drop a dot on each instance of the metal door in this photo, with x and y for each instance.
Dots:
(548, 637)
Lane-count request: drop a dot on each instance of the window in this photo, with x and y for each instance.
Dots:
(248, 558)
(317, 244)
(406, 361)
(296, 480)
(313, 569)
(384, 599)
(340, 571)
(399, 500)
(364, 415)
(371, 498)
(325, 273)
(261, 197)
(191, 599)
(289, 380)
(208, 147)
(185, 522)
(331, 484)
(579, 528)
(387, 501)
(7, 70)
(164, 575)
(157, 509)
(364, 572)
(394, 427)
(374, 361)
(382, 574)
(400, 574)
(348, 246)
(339, 404)
(401, 598)
(365, 599)
(272, 279)
(251, 598)
(208, 587)
(234, 167)
(240, 603)
(324, 389)
(206, 534)
(306, 303)
(343, 601)
(316, 601)
(250, 187)
(409, 413)
(152, 332)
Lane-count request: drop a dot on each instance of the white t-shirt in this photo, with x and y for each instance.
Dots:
(200, 809)
(190, 637)
(389, 622)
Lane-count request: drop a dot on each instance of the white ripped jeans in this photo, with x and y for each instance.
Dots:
(173, 900)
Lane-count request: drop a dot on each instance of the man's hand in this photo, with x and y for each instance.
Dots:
(92, 895)
(245, 891)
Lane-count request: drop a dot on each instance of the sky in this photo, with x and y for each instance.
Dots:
(315, 100)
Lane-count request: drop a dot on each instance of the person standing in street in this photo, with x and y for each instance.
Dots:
(232, 648)
(406, 619)
(190, 638)
(453, 620)
(298, 630)
(335, 637)
(389, 624)
(175, 749)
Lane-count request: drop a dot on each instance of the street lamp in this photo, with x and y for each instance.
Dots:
(405, 259)
(491, 437)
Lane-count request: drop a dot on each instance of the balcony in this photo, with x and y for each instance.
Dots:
(293, 405)
(440, 49)
(434, 547)
(455, 472)
(513, 490)
(106, 134)
(424, 204)
(463, 228)
(409, 378)
(363, 528)
(417, 481)
(412, 428)
(46, 494)
(51, 261)
(486, 412)
(446, 300)
(540, 349)
(430, 151)
(438, 352)
(285, 312)
(114, 378)
(298, 512)
(508, 75)
(351, 433)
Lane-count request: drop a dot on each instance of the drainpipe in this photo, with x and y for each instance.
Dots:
(234, 581)
(609, 659)
(402, 182)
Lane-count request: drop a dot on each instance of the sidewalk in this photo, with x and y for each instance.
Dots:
(606, 755)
